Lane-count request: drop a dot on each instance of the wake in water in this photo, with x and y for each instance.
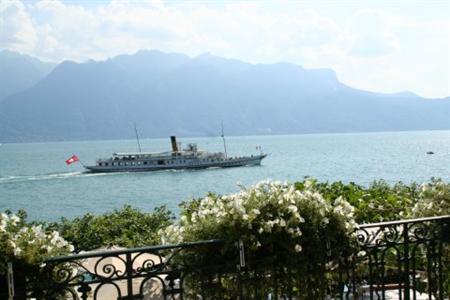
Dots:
(50, 176)
(69, 175)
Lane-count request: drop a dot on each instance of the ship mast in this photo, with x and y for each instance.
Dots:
(224, 143)
(137, 137)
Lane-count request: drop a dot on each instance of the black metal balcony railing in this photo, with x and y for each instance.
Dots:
(157, 272)
(409, 259)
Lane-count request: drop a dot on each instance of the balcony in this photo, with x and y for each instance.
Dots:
(407, 259)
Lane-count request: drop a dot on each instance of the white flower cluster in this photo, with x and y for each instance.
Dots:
(434, 199)
(265, 209)
(346, 210)
(29, 243)
(6, 220)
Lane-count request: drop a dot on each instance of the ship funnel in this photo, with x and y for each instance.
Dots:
(173, 139)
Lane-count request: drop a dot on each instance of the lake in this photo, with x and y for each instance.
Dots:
(34, 176)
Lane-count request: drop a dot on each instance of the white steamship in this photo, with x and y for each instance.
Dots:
(188, 158)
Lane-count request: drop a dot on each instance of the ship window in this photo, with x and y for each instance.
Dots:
(160, 162)
(100, 164)
(106, 164)
(145, 162)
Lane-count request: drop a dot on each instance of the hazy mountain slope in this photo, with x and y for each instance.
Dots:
(174, 94)
(19, 72)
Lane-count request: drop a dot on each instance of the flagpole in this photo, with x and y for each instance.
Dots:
(79, 160)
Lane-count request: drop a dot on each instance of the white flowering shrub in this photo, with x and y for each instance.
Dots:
(433, 200)
(297, 230)
(27, 245)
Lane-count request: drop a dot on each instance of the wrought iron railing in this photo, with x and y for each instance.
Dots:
(408, 259)
(158, 272)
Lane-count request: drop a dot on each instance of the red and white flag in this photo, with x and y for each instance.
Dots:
(72, 159)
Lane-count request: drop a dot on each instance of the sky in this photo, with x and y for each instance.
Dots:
(382, 46)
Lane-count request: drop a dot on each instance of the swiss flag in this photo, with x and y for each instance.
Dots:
(72, 159)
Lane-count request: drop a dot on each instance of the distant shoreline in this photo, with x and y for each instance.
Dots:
(218, 136)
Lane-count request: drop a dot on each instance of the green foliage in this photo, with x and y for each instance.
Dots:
(376, 203)
(127, 227)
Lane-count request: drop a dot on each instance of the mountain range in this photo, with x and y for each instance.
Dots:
(19, 72)
(169, 93)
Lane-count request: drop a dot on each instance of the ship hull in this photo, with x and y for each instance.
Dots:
(191, 165)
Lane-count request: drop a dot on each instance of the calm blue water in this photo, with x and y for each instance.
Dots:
(35, 177)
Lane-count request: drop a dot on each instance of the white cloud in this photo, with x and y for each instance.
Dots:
(371, 34)
(398, 54)
(16, 28)
(369, 48)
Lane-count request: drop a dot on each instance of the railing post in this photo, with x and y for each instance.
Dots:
(129, 270)
(17, 286)
(10, 281)
(406, 286)
(444, 239)
(240, 267)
